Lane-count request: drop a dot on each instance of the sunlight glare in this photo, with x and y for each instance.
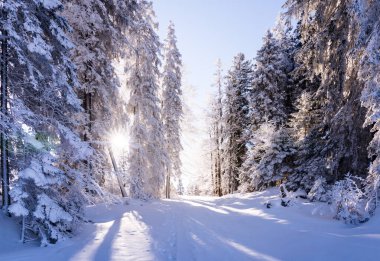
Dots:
(119, 142)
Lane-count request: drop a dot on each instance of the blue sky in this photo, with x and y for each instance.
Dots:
(212, 29)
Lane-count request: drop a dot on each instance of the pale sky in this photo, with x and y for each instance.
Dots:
(212, 29)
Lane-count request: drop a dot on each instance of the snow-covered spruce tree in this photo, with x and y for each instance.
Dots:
(288, 41)
(172, 107)
(216, 118)
(307, 139)
(268, 103)
(236, 121)
(98, 33)
(302, 120)
(336, 143)
(148, 156)
(268, 96)
(266, 161)
(370, 76)
(45, 114)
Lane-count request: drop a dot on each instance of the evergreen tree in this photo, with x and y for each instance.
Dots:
(45, 113)
(305, 116)
(236, 121)
(370, 77)
(268, 96)
(336, 143)
(268, 103)
(266, 163)
(216, 132)
(307, 138)
(99, 40)
(147, 147)
(172, 107)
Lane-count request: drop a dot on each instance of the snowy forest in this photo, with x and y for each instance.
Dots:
(303, 113)
(93, 113)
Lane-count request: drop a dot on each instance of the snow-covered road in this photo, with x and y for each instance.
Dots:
(237, 227)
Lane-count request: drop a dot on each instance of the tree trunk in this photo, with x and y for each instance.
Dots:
(4, 113)
(168, 185)
(122, 189)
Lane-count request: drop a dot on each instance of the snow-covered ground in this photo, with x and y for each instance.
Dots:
(236, 227)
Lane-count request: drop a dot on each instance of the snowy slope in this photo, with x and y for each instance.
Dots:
(236, 227)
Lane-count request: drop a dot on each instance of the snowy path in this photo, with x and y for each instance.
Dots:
(206, 228)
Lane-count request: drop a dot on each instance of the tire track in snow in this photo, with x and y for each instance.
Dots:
(186, 239)
(133, 241)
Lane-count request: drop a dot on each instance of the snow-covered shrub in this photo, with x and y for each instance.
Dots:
(48, 201)
(288, 198)
(319, 191)
(349, 201)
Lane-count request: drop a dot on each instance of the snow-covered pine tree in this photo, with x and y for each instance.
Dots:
(306, 119)
(266, 162)
(337, 142)
(288, 41)
(306, 136)
(268, 96)
(217, 129)
(45, 114)
(236, 122)
(305, 116)
(98, 33)
(148, 156)
(268, 102)
(172, 111)
(370, 76)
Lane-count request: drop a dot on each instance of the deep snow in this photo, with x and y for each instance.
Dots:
(235, 227)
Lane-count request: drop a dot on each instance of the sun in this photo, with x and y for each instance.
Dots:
(119, 141)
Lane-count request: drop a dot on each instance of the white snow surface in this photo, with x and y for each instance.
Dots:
(235, 227)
